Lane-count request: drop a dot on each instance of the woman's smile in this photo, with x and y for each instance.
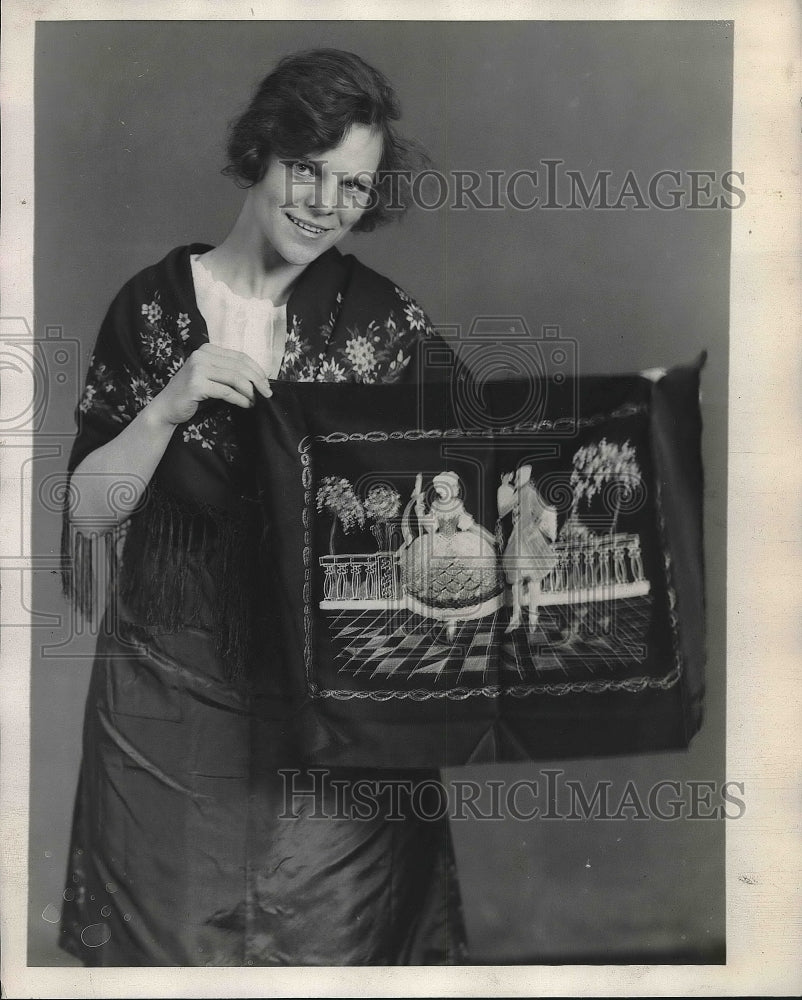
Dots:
(309, 229)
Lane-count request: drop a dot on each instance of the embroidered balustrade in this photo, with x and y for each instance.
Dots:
(596, 567)
(610, 564)
(370, 580)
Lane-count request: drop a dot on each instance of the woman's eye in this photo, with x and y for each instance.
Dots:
(303, 169)
(358, 188)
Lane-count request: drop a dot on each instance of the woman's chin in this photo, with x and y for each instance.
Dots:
(301, 255)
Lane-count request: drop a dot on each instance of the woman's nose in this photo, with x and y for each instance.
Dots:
(323, 196)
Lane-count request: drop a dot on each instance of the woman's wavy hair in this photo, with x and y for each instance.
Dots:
(306, 106)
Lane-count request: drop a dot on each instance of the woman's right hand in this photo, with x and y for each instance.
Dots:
(210, 372)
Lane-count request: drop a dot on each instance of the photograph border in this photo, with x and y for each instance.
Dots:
(764, 750)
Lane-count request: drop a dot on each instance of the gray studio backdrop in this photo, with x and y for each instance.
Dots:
(130, 125)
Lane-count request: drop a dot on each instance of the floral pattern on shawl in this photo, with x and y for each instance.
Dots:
(214, 431)
(123, 394)
(364, 349)
(379, 352)
(162, 346)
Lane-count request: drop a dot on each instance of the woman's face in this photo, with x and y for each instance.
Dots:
(303, 207)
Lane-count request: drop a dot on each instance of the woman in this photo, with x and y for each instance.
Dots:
(186, 850)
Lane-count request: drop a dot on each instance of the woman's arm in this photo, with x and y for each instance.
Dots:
(132, 456)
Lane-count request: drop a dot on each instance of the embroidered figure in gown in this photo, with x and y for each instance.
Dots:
(451, 566)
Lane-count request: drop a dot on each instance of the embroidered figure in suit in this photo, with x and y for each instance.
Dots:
(529, 555)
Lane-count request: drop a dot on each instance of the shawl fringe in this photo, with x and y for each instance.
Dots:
(182, 564)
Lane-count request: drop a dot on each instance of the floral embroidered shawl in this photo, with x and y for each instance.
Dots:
(346, 323)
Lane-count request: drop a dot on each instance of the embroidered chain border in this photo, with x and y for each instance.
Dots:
(631, 684)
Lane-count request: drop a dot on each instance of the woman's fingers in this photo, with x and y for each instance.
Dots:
(229, 393)
(233, 380)
(235, 362)
(232, 370)
(206, 380)
(213, 372)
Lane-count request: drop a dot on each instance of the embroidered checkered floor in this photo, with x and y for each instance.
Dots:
(569, 642)
(580, 641)
(401, 646)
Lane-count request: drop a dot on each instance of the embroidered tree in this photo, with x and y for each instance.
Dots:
(336, 495)
(573, 530)
(382, 505)
(604, 464)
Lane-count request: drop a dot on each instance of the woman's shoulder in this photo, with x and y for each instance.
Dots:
(173, 273)
(383, 294)
(374, 281)
(158, 300)
(382, 329)
(153, 319)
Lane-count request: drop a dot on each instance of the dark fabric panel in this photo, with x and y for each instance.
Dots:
(610, 662)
